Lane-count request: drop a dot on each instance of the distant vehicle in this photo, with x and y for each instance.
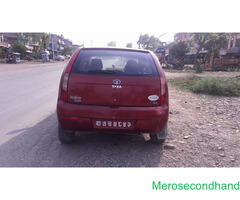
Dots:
(68, 57)
(13, 57)
(160, 53)
(59, 58)
(113, 90)
(45, 56)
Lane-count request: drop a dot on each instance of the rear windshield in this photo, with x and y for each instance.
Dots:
(115, 62)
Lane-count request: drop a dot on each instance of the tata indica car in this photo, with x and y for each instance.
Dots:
(113, 90)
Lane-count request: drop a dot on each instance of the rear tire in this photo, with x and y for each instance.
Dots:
(160, 137)
(65, 137)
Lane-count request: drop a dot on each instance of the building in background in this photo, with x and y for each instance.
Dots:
(34, 42)
(234, 40)
(2, 43)
(67, 42)
(186, 37)
(234, 45)
(10, 38)
(58, 43)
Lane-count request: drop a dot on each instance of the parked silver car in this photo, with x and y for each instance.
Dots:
(59, 58)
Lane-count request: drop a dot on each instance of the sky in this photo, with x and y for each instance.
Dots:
(97, 22)
(101, 39)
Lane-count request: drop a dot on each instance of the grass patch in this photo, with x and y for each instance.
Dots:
(209, 85)
(179, 70)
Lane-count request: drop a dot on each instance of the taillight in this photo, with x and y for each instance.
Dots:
(65, 81)
(65, 76)
(65, 87)
(164, 91)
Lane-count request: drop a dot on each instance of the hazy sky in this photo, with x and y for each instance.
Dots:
(101, 39)
(98, 22)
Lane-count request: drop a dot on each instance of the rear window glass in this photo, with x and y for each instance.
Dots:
(114, 62)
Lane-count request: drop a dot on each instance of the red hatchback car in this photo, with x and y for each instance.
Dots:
(115, 90)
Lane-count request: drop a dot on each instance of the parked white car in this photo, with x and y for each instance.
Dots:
(59, 58)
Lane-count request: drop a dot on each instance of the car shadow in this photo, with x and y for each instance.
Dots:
(38, 146)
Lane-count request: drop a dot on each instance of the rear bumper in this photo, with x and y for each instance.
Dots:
(74, 117)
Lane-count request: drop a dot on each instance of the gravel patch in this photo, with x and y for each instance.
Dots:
(203, 129)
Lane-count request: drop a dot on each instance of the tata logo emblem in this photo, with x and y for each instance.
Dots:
(116, 86)
(116, 81)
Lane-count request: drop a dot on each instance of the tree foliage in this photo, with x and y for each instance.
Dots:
(20, 48)
(200, 39)
(212, 42)
(1, 53)
(148, 42)
(178, 50)
(67, 50)
(216, 42)
(43, 39)
(129, 45)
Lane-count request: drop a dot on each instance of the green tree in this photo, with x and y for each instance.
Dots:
(178, 50)
(20, 48)
(22, 38)
(199, 41)
(67, 50)
(26, 38)
(129, 45)
(41, 38)
(148, 42)
(1, 53)
(44, 40)
(34, 37)
(112, 44)
(215, 43)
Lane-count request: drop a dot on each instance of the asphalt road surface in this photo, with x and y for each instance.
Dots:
(28, 127)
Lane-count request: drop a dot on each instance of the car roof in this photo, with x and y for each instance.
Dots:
(115, 48)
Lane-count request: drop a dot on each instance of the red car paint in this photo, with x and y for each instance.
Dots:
(93, 102)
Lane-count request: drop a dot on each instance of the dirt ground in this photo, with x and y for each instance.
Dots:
(203, 130)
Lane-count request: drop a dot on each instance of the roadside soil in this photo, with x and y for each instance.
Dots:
(203, 130)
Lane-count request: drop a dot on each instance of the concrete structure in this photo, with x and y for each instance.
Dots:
(234, 40)
(1, 37)
(2, 43)
(234, 45)
(58, 42)
(10, 38)
(186, 37)
(54, 43)
(67, 42)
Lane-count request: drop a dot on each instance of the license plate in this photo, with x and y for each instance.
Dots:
(113, 124)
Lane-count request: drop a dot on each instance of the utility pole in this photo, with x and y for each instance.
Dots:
(53, 49)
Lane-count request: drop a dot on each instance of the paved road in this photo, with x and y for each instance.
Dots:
(28, 127)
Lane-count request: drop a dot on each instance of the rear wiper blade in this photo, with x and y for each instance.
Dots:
(102, 71)
(118, 71)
